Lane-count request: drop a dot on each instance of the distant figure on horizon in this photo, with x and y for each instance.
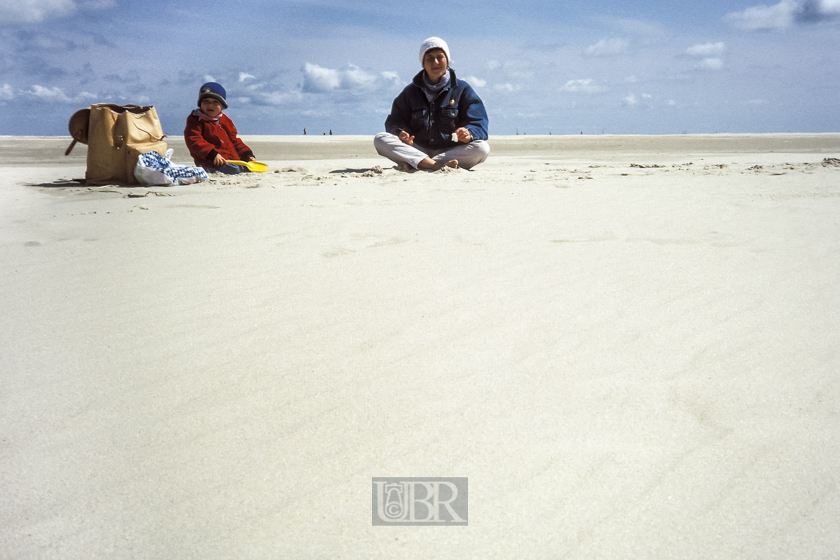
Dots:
(437, 120)
(304, 132)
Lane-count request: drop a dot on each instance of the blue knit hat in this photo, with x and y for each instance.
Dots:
(214, 90)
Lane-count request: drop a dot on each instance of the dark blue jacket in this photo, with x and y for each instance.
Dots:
(432, 123)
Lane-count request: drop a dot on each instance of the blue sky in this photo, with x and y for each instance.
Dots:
(541, 66)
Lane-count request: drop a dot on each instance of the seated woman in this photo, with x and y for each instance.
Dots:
(437, 120)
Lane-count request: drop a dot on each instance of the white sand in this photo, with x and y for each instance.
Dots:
(626, 361)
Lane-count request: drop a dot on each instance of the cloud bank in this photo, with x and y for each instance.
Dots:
(706, 49)
(317, 79)
(607, 47)
(36, 11)
(57, 95)
(710, 55)
(582, 86)
(785, 14)
(6, 93)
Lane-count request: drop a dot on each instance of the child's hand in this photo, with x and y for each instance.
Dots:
(219, 161)
(252, 158)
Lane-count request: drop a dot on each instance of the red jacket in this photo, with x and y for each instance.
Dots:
(206, 139)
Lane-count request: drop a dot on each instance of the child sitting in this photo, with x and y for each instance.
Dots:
(211, 136)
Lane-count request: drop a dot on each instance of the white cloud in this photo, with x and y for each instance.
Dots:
(762, 17)
(391, 79)
(582, 86)
(710, 64)
(133, 99)
(819, 10)
(507, 88)
(277, 98)
(785, 14)
(644, 100)
(33, 11)
(710, 53)
(706, 50)
(494, 65)
(317, 79)
(57, 95)
(97, 4)
(6, 93)
(244, 76)
(476, 82)
(36, 11)
(356, 78)
(607, 47)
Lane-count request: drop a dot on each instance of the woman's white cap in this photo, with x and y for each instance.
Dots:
(434, 43)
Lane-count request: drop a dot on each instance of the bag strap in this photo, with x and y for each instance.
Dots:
(70, 147)
(78, 127)
(135, 111)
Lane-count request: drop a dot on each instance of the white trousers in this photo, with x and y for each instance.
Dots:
(391, 147)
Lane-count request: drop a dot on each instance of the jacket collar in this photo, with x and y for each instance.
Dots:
(418, 79)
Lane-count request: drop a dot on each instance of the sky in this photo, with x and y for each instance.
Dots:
(540, 66)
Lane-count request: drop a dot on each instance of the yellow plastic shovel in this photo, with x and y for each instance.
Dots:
(254, 166)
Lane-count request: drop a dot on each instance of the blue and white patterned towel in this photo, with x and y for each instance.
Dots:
(155, 169)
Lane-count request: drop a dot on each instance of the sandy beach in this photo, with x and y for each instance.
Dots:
(627, 344)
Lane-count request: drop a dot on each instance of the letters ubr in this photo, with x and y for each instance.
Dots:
(420, 501)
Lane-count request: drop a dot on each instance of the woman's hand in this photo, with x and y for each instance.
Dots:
(406, 138)
(219, 161)
(463, 135)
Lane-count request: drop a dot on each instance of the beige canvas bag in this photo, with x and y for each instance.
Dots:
(116, 135)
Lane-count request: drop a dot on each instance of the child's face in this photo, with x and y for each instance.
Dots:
(211, 107)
